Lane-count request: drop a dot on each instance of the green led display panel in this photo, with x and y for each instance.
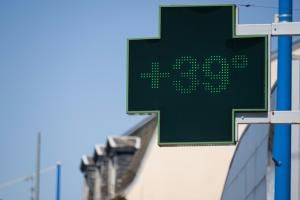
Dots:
(197, 75)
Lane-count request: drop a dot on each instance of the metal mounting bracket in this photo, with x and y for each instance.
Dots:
(273, 117)
(274, 29)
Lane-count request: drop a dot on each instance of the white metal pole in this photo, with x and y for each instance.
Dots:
(295, 176)
(38, 159)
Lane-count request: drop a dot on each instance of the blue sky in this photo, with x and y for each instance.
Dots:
(63, 72)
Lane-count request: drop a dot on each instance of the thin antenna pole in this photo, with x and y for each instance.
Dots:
(58, 174)
(38, 160)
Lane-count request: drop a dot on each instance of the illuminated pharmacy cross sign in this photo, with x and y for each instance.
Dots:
(197, 75)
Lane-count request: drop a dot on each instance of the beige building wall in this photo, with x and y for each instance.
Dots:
(177, 173)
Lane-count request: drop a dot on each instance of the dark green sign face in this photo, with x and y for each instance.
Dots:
(197, 75)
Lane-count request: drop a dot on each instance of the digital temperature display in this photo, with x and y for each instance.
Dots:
(215, 69)
(197, 75)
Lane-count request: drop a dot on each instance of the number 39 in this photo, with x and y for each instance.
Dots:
(215, 81)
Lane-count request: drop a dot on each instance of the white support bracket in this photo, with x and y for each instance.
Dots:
(273, 117)
(277, 117)
(285, 117)
(274, 29)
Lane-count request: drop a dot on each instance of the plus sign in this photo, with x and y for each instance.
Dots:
(155, 75)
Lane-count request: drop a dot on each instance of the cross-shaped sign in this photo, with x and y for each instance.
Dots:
(197, 75)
